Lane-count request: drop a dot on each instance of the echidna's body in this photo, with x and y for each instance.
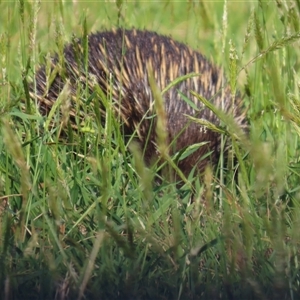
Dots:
(119, 62)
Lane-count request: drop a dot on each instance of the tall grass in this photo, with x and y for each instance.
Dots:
(84, 218)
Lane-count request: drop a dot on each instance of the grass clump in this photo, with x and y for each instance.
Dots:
(83, 217)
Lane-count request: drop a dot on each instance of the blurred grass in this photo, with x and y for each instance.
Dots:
(80, 218)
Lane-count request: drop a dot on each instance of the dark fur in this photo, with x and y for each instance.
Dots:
(118, 60)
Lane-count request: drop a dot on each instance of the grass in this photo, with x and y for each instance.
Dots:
(85, 218)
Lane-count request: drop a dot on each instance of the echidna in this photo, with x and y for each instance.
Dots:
(119, 62)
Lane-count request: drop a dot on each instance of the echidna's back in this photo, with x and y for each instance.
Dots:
(119, 61)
